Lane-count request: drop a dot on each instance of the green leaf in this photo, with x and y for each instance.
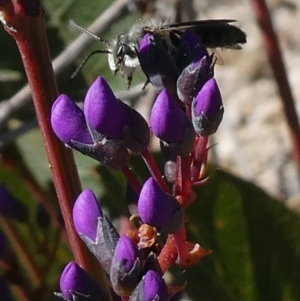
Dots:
(255, 241)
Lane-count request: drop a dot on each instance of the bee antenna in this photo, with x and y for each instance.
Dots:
(84, 61)
(89, 33)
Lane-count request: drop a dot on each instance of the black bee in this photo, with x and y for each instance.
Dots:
(122, 51)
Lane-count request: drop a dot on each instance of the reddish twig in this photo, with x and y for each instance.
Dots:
(154, 170)
(24, 21)
(132, 180)
(276, 61)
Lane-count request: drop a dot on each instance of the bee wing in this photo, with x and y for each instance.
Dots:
(217, 56)
(213, 33)
(197, 23)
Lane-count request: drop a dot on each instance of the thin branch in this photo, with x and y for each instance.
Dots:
(276, 61)
(111, 15)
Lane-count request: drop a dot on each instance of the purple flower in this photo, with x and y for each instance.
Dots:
(11, 207)
(127, 252)
(73, 280)
(172, 126)
(151, 288)
(126, 267)
(207, 109)
(76, 284)
(97, 232)
(103, 111)
(190, 51)
(68, 122)
(155, 286)
(106, 129)
(86, 213)
(159, 209)
(167, 121)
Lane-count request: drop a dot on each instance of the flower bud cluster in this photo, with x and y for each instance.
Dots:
(185, 76)
(105, 129)
(188, 108)
(129, 272)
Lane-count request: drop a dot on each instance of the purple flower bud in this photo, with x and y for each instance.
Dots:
(195, 75)
(97, 232)
(69, 125)
(151, 288)
(191, 40)
(159, 209)
(167, 121)
(190, 50)
(126, 267)
(207, 109)
(155, 286)
(68, 121)
(11, 207)
(127, 252)
(76, 284)
(73, 280)
(103, 111)
(157, 64)
(171, 125)
(86, 212)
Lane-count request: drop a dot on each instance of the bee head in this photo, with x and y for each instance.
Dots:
(125, 46)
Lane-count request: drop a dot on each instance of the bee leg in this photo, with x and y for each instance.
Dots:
(145, 84)
(128, 81)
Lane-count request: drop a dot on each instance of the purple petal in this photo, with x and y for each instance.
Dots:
(86, 212)
(103, 111)
(167, 121)
(68, 121)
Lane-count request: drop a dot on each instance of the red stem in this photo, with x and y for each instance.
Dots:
(132, 180)
(154, 170)
(24, 21)
(276, 61)
(185, 175)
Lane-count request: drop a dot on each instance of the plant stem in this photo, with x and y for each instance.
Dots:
(276, 61)
(24, 21)
(154, 170)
